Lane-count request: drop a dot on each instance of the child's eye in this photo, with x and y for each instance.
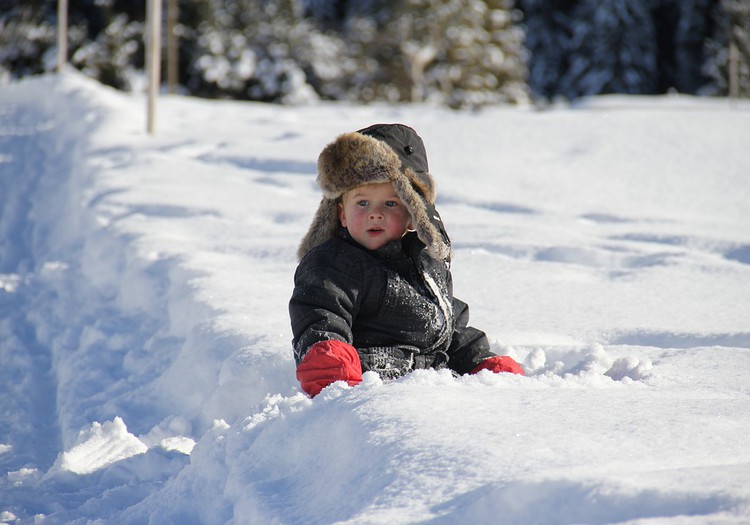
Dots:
(362, 203)
(391, 204)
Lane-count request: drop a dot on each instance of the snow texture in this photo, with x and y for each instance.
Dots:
(145, 359)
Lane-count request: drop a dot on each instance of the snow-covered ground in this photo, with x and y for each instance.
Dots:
(145, 364)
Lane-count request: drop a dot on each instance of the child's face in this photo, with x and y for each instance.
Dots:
(374, 215)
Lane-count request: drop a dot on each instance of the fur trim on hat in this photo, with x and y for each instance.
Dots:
(354, 159)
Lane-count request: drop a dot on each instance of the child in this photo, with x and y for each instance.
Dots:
(373, 289)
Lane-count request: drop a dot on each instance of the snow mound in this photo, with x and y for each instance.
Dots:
(98, 447)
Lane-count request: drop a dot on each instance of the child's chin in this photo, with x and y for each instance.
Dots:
(375, 244)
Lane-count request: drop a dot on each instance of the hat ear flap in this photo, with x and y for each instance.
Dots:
(420, 220)
(325, 224)
(423, 183)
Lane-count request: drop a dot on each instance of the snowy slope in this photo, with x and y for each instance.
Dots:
(145, 358)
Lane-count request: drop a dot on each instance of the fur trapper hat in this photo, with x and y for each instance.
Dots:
(379, 153)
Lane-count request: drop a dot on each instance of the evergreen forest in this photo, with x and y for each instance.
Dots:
(461, 53)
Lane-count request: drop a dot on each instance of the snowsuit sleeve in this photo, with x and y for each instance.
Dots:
(324, 302)
(469, 346)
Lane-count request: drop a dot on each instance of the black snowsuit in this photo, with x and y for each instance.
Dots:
(395, 305)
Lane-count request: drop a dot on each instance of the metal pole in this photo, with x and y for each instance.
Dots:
(62, 34)
(153, 60)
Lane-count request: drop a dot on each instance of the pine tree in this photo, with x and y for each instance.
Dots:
(690, 33)
(728, 62)
(256, 49)
(116, 56)
(458, 52)
(548, 26)
(614, 49)
(27, 34)
(104, 38)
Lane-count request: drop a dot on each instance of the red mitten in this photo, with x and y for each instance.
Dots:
(327, 362)
(499, 363)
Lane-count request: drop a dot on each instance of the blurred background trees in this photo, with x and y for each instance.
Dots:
(462, 53)
(588, 47)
